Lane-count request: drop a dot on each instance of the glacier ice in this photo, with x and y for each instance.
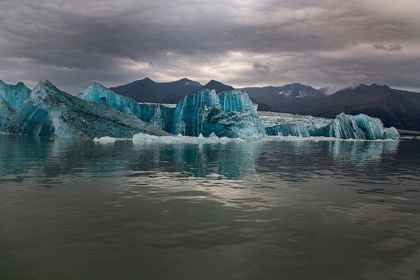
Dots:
(284, 124)
(191, 113)
(50, 112)
(142, 138)
(372, 127)
(361, 127)
(229, 114)
(158, 115)
(11, 98)
(47, 111)
(391, 133)
(345, 127)
(342, 127)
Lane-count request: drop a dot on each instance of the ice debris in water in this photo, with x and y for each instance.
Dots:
(142, 138)
(158, 115)
(50, 112)
(342, 127)
(11, 98)
(105, 139)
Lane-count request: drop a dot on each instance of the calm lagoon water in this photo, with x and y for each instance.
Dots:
(241, 210)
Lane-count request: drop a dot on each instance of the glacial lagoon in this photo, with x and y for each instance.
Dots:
(268, 209)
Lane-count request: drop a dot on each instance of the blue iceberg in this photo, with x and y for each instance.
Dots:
(231, 114)
(361, 127)
(11, 98)
(345, 127)
(296, 129)
(50, 112)
(158, 115)
(342, 127)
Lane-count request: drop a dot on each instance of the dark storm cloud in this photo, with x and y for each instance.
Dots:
(76, 42)
(392, 48)
(263, 69)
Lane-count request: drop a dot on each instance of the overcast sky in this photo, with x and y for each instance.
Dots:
(323, 43)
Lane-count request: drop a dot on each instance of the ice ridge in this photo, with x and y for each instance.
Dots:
(158, 115)
(342, 127)
(50, 112)
(11, 98)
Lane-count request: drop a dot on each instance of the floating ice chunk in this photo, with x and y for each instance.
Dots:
(105, 139)
(391, 133)
(372, 127)
(213, 136)
(203, 113)
(345, 127)
(141, 138)
(342, 127)
(50, 112)
(191, 113)
(158, 115)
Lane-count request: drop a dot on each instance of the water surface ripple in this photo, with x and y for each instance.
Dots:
(72, 209)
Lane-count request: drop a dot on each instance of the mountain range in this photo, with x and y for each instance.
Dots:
(397, 108)
(147, 90)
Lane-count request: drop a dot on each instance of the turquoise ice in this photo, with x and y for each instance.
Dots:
(229, 114)
(50, 112)
(342, 127)
(158, 115)
(11, 98)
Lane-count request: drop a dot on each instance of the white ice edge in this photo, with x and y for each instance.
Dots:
(141, 138)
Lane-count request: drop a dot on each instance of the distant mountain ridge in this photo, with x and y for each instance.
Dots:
(397, 108)
(289, 98)
(147, 90)
(295, 90)
(394, 107)
(217, 86)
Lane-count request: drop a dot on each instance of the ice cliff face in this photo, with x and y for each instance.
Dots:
(11, 98)
(47, 111)
(155, 114)
(50, 112)
(231, 114)
(342, 127)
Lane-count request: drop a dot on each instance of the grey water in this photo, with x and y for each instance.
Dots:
(75, 209)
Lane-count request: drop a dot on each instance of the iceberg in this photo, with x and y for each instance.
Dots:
(282, 124)
(50, 112)
(391, 133)
(192, 113)
(11, 98)
(342, 127)
(158, 115)
(361, 127)
(345, 127)
(372, 127)
(231, 114)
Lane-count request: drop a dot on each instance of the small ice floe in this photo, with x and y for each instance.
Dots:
(105, 139)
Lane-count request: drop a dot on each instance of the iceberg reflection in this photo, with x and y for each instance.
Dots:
(22, 156)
